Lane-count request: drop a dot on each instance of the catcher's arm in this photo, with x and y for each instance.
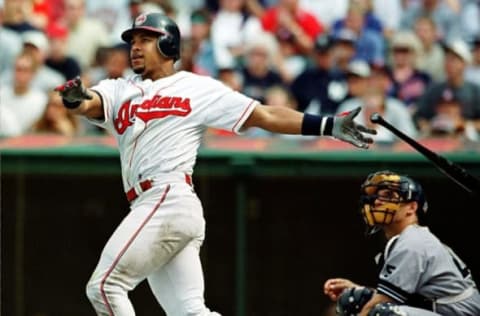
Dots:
(376, 299)
(81, 100)
(334, 287)
(352, 300)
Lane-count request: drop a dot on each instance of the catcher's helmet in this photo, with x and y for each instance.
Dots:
(168, 32)
(404, 189)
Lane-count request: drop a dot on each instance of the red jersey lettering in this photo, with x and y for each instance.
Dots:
(156, 108)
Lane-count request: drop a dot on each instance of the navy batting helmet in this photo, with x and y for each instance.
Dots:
(167, 30)
(407, 190)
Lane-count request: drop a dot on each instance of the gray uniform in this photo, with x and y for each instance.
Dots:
(417, 270)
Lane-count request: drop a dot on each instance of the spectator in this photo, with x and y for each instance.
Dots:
(371, 21)
(326, 11)
(369, 45)
(373, 99)
(56, 119)
(58, 58)
(11, 46)
(184, 11)
(231, 77)
(431, 58)
(457, 57)
(36, 44)
(114, 64)
(110, 12)
(389, 13)
(317, 89)
(22, 105)
(39, 13)
(15, 16)
(258, 73)
(472, 73)
(381, 78)
(344, 50)
(408, 83)
(358, 79)
(231, 29)
(289, 22)
(46, 78)
(448, 120)
(124, 20)
(469, 19)
(446, 19)
(203, 59)
(86, 34)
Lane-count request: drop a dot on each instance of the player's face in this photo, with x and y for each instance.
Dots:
(144, 54)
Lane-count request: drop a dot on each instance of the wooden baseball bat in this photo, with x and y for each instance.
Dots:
(452, 170)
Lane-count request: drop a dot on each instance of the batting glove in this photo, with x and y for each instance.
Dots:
(73, 93)
(346, 129)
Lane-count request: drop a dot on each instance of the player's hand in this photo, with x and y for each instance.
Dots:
(73, 92)
(346, 129)
(333, 288)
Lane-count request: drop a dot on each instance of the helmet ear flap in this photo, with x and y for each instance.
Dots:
(167, 46)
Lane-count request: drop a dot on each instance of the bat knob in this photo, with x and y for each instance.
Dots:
(375, 118)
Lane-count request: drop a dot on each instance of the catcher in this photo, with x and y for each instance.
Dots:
(419, 275)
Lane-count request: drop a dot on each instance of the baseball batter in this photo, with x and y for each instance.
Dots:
(158, 118)
(417, 271)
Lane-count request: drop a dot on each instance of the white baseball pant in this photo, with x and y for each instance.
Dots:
(159, 240)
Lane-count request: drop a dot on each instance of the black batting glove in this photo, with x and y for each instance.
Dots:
(346, 129)
(73, 93)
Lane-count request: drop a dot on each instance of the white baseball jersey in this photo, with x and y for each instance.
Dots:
(173, 112)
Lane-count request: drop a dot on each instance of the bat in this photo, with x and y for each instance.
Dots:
(452, 170)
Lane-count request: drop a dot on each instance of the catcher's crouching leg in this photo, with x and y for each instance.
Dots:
(352, 300)
(386, 309)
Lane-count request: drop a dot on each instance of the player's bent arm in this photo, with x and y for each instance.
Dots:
(90, 108)
(376, 299)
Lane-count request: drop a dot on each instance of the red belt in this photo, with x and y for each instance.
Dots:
(145, 185)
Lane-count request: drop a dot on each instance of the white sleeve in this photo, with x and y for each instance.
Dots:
(228, 110)
(108, 91)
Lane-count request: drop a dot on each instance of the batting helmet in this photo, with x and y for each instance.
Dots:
(404, 189)
(168, 32)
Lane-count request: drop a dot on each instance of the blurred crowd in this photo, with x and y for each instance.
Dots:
(416, 62)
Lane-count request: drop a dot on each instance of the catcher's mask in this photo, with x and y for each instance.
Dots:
(167, 30)
(391, 189)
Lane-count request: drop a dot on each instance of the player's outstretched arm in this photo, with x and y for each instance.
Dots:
(283, 120)
(80, 100)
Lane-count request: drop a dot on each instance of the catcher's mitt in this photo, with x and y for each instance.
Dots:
(352, 300)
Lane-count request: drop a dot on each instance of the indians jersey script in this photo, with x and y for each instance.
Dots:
(416, 262)
(159, 124)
